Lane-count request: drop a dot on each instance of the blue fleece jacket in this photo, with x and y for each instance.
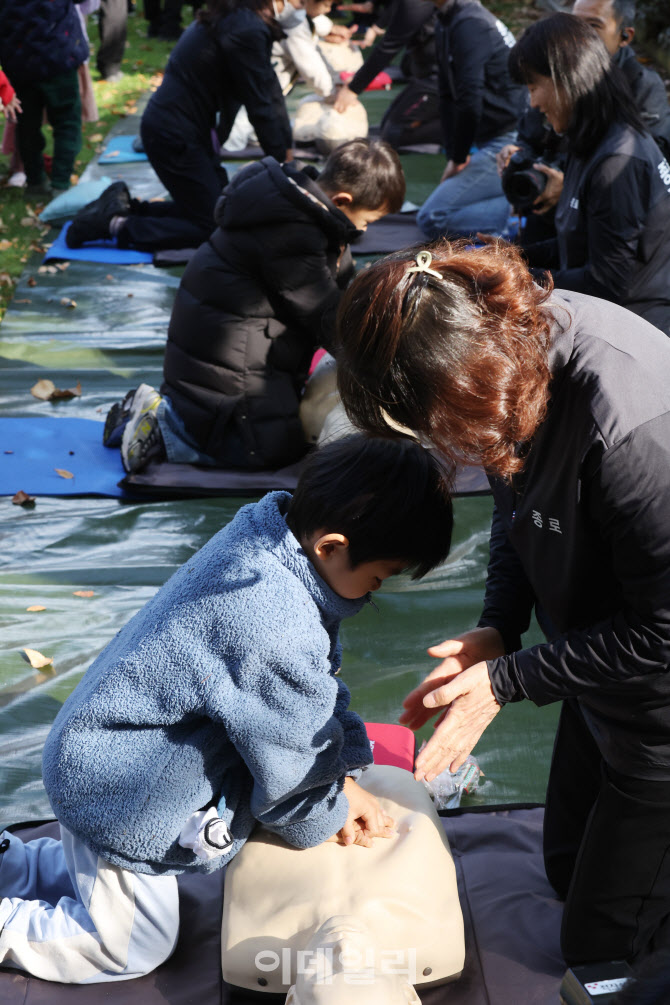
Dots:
(220, 691)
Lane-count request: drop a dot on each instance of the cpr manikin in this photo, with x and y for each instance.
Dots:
(331, 925)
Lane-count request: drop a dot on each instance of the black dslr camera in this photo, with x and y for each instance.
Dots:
(521, 182)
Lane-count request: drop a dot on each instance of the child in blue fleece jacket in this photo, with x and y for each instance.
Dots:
(216, 708)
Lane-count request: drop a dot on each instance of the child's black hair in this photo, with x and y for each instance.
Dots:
(386, 495)
(369, 170)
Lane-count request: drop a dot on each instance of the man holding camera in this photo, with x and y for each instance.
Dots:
(613, 21)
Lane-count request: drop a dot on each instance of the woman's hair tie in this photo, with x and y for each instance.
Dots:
(423, 260)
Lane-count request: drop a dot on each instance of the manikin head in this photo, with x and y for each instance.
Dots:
(343, 967)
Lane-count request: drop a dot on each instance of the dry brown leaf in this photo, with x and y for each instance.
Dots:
(84, 593)
(32, 281)
(36, 660)
(66, 302)
(110, 277)
(6, 244)
(43, 389)
(46, 390)
(6, 279)
(97, 138)
(62, 266)
(35, 607)
(28, 221)
(63, 473)
(23, 301)
(23, 499)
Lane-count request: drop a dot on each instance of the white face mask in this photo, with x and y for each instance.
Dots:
(289, 17)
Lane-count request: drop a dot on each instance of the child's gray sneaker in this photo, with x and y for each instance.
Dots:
(142, 441)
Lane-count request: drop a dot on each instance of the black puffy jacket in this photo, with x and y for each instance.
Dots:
(254, 304)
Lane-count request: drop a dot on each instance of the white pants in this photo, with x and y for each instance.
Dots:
(67, 915)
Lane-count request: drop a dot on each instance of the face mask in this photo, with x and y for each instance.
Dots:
(290, 17)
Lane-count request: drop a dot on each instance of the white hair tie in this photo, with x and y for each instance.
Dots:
(423, 260)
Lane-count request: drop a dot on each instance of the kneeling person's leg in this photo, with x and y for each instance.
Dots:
(106, 924)
(619, 897)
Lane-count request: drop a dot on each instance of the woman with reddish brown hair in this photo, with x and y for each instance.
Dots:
(564, 400)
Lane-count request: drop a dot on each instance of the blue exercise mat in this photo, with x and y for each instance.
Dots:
(119, 150)
(31, 449)
(100, 251)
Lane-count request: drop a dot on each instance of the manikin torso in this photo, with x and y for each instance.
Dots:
(331, 924)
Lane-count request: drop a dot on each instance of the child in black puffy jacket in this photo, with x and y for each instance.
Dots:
(254, 304)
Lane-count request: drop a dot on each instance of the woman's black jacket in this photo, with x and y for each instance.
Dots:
(253, 305)
(613, 226)
(582, 535)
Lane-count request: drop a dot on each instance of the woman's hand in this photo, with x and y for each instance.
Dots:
(342, 98)
(470, 707)
(457, 655)
(504, 156)
(365, 820)
(552, 190)
(453, 168)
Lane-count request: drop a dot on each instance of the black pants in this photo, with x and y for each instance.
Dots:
(414, 116)
(112, 22)
(607, 851)
(194, 178)
(59, 96)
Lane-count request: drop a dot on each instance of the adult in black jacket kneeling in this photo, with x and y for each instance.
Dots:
(221, 62)
(613, 216)
(254, 304)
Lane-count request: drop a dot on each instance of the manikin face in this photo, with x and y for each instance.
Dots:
(600, 15)
(340, 944)
(551, 101)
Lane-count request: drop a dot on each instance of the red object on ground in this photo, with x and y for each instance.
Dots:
(382, 82)
(393, 745)
(6, 90)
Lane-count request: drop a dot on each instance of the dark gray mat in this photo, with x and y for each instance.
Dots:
(391, 233)
(511, 918)
(186, 480)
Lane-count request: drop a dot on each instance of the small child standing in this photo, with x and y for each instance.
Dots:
(254, 304)
(216, 708)
(42, 45)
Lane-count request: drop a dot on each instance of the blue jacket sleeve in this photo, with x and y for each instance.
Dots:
(290, 724)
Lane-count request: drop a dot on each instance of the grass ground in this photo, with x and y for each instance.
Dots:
(20, 230)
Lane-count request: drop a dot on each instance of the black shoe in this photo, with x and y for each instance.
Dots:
(92, 222)
(116, 421)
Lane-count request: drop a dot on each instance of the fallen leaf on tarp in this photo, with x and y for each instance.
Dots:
(46, 390)
(68, 392)
(84, 593)
(112, 153)
(23, 499)
(36, 660)
(66, 302)
(35, 607)
(32, 281)
(62, 266)
(63, 473)
(23, 301)
(49, 269)
(43, 389)
(110, 277)
(9, 451)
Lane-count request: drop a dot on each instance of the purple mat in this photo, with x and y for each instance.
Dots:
(511, 918)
